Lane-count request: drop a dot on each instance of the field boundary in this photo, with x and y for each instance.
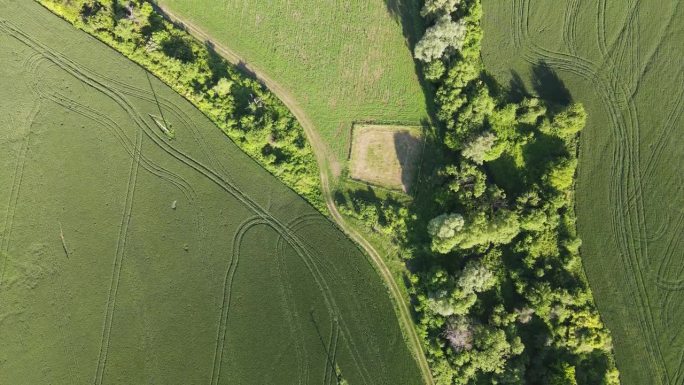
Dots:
(321, 153)
(617, 91)
(414, 129)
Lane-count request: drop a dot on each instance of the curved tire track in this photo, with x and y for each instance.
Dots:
(322, 156)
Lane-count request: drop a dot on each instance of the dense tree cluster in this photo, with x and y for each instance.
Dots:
(503, 298)
(383, 215)
(250, 115)
(498, 284)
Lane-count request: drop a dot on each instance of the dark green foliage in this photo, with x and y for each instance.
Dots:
(498, 284)
(384, 215)
(507, 221)
(250, 115)
(178, 47)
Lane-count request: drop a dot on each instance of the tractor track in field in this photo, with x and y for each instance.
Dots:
(15, 187)
(93, 80)
(630, 173)
(325, 163)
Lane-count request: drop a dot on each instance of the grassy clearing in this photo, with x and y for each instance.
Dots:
(342, 61)
(387, 156)
(622, 60)
(131, 257)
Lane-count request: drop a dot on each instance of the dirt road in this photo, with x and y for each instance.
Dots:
(324, 160)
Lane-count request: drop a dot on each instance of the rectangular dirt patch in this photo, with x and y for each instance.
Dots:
(386, 155)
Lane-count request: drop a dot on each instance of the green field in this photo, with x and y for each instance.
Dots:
(623, 61)
(341, 61)
(128, 257)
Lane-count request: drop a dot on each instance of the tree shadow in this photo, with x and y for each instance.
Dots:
(492, 84)
(159, 11)
(517, 90)
(408, 148)
(178, 47)
(549, 86)
(407, 14)
(546, 85)
(541, 153)
(507, 175)
(330, 356)
(219, 66)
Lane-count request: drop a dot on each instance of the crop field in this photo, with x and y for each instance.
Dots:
(624, 61)
(340, 62)
(387, 156)
(138, 245)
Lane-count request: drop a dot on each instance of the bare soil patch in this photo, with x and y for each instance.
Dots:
(384, 155)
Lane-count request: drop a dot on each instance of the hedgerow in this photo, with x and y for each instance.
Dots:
(501, 296)
(241, 106)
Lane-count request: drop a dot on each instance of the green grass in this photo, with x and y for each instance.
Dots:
(128, 257)
(343, 61)
(622, 60)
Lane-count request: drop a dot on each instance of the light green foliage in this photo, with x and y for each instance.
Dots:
(467, 181)
(434, 70)
(446, 226)
(131, 258)
(340, 379)
(468, 116)
(250, 115)
(491, 350)
(508, 302)
(617, 60)
(445, 34)
(450, 231)
(565, 376)
(569, 122)
(476, 278)
(531, 110)
(222, 88)
(455, 296)
(443, 296)
(437, 7)
(479, 149)
(562, 174)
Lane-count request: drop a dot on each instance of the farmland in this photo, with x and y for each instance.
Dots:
(338, 67)
(623, 61)
(140, 245)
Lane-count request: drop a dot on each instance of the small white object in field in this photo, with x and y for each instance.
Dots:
(173, 205)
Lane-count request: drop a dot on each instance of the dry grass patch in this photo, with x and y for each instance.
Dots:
(387, 156)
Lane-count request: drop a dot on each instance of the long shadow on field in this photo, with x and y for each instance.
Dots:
(549, 86)
(407, 13)
(517, 89)
(330, 356)
(408, 149)
(426, 181)
(546, 85)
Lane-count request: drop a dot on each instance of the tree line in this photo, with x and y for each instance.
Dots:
(242, 107)
(498, 287)
(497, 282)
(501, 296)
